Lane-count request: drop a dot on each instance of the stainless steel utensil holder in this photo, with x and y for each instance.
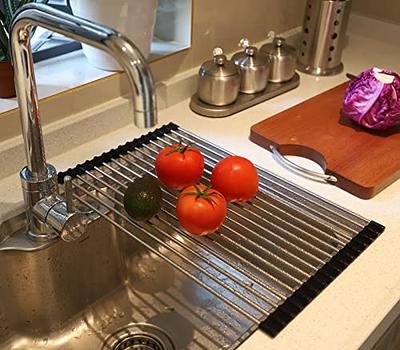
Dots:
(324, 30)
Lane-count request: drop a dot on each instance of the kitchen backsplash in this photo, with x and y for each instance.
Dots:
(223, 23)
(387, 10)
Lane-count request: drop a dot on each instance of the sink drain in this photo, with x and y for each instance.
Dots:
(139, 342)
(139, 336)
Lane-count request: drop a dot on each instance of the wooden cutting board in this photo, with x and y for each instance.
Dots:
(364, 162)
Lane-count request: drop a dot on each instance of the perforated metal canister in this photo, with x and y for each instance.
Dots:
(323, 39)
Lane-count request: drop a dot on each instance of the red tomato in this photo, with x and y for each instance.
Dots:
(236, 178)
(179, 166)
(201, 210)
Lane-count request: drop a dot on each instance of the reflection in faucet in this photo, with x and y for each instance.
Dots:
(39, 179)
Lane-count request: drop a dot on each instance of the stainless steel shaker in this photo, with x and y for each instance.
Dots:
(324, 30)
(219, 80)
(283, 59)
(254, 68)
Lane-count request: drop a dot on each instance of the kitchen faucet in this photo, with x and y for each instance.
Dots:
(49, 214)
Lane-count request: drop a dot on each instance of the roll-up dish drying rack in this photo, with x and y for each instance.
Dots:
(268, 261)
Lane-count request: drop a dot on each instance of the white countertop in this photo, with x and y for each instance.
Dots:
(346, 313)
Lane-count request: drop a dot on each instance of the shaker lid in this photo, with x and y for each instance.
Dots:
(219, 66)
(278, 47)
(250, 55)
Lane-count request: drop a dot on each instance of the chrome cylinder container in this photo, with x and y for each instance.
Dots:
(283, 59)
(219, 81)
(324, 30)
(254, 69)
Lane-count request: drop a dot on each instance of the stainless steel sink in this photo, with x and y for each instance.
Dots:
(97, 292)
(151, 285)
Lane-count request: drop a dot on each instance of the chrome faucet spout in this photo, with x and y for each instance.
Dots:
(38, 178)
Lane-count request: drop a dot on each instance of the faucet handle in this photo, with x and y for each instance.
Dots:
(74, 227)
(60, 214)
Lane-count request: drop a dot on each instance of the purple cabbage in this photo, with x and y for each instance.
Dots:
(371, 102)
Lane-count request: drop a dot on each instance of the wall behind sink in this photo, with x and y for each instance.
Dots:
(387, 10)
(223, 23)
(215, 23)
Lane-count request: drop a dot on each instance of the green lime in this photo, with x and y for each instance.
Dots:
(142, 199)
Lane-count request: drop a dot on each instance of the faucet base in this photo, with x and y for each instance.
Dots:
(35, 189)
